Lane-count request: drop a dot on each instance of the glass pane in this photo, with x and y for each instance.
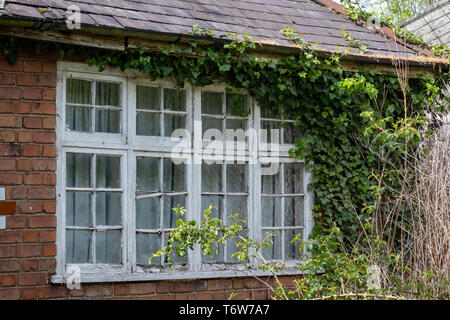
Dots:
(174, 176)
(236, 178)
(146, 245)
(237, 104)
(107, 121)
(147, 98)
(271, 132)
(108, 209)
(293, 178)
(108, 247)
(212, 123)
(291, 133)
(78, 169)
(170, 217)
(232, 248)
(236, 204)
(270, 184)
(216, 201)
(147, 175)
(78, 209)
(235, 124)
(78, 91)
(175, 99)
(147, 124)
(175, 258)
(211, 177)
(293, 212)
(291, 250)
(271, 212)
(107, 94)
(275, 251)
(173, 122)
(148, 213)
(270, 113)
(78, 119)
(212, 102)
(78, 246)
(108, 172)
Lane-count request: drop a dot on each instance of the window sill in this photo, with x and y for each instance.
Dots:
(143, 276)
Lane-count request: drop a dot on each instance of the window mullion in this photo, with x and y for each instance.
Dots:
(93, 201)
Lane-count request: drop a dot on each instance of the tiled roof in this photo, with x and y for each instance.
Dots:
(261, 19)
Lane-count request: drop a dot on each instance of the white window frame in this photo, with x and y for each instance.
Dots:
(130, 146)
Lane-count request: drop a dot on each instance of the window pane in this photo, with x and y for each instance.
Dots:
(78, 91)
(293, 178)
(147, 124)
(270, 184)
(293, 212)
(271, 212)
(272, 133)
(275, 251)
(232, 248)
(216, 201)
(173, 122)
(147, 175)
(236, 204)
(212, 102)
(236, 124)
(291, 133)
(148, 213)
(108, 209)
(236, 178)
(147, 98)
(78, 169)
(211, 177)
(78, 209)
(174, 176)
(237, 104)
(108, 172)
(78, 246)
(107, 94)
(291, 250)
(212, 123)
(146, 245)
(78, 119)
(175, 99)
(176, 259)
(270, 113)
(107, 121)
(108, 246)
(170, 217)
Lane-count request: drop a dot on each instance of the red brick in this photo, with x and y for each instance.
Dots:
(7, 136)
(9, 266)
(16, 222)
(9, 149)
(32, 179)
(49, 179)
(47, 236)
(98, 290)
(23, 164)
(182, 286)
(25, 79)
(49, 123)
(240, 295)
(44, 165)
(142, 288)
(162, 287)
(7, 78)
(46, 81)
(6, 66)
(32, 122)
(7, 164)
(29, 293)
(41, 193)
(50, 250)
(29, 265)
(31, 150)
(52, 292)
(48, 265)
(24, 136)
(8, 122)
(11, 236)
(8, 280)
(49, 94)
(32, 66)
(260, 295)
(11, 93)
(7, 252)
(42, 221)
(31, 93)
(219, 284)
(49, 67)
(16, 193)
(31, 236)
(29, 206)
(49, 151)
(32, 279)
(23, 107)
(43, 108)
(121, 289)
(49, 206)
(10, 178)
(9, 294)
(29, 251)
(44, 137)
(6, 107)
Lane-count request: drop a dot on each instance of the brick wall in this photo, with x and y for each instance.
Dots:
(27, 172)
